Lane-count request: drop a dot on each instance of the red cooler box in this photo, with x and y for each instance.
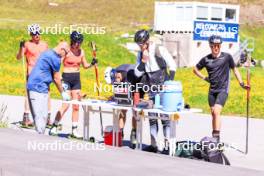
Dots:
(108, 136)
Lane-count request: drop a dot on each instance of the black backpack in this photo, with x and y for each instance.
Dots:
(212, 151)
(187, 149)
(159, 59)
(157, 77)
(208, 149)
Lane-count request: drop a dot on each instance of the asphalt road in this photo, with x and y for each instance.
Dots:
(190, 127)
(30, 154)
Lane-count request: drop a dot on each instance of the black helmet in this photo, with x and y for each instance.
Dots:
(141, 36)
(76, 37)
(215, 39)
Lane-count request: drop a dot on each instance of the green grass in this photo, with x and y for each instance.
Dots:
(257, 33)
(3, 117)
(117, 16)
(3, 124)
(196, 91)
(111, 53)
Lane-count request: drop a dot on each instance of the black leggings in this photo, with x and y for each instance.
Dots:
(71, 81)
(217, 98)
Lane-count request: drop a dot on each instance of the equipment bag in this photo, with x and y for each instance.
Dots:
(188, 149)
(212, 151)
(208, 149)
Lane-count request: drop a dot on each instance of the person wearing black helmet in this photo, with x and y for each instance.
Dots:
(124, 74)
(71, 80)
(153, 61)
(141, 37)
(218, 65)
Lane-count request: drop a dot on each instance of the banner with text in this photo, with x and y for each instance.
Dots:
(204, 29)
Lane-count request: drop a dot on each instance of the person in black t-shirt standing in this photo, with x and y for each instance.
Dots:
(218, 65)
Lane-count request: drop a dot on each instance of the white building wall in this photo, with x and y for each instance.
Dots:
(180, 30)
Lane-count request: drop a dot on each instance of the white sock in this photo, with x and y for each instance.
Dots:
(56, 122)
(74, 124)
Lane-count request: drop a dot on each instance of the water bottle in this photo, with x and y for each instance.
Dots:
(157, 101)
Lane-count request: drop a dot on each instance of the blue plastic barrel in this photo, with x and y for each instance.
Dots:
(171, 98)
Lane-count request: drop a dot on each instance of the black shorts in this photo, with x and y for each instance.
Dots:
(217, 98)
(71, 81)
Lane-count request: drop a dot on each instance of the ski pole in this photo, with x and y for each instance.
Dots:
(93, 46)
(248, 99)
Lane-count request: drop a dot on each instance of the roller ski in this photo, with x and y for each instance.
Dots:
(92, 140)
(75, 134)
(21, 124)
(54, 130)
(25, 123)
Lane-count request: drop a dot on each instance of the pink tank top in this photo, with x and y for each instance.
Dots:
(72, 60)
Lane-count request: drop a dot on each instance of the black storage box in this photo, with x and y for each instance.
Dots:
(123, 93)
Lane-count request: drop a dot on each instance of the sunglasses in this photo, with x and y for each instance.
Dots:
(34, 34)
(215, 46)
(74, 42)
(142, 44)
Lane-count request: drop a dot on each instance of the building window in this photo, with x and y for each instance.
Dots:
(188, 13)
(230, 15)
(202, 13)
(216, 14)
(179, 14)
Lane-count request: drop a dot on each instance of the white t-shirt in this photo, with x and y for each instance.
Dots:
(152, 65)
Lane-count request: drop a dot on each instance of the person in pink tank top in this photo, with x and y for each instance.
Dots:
(31, 50)
(72, 82)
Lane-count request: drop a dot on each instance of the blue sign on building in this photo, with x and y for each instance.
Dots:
(204, 29)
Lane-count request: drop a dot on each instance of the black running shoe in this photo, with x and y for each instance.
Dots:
(133, 139)
(151, 148)
(165, 152)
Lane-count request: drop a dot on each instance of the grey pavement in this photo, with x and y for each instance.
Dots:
(25, 153)
(190, 127)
